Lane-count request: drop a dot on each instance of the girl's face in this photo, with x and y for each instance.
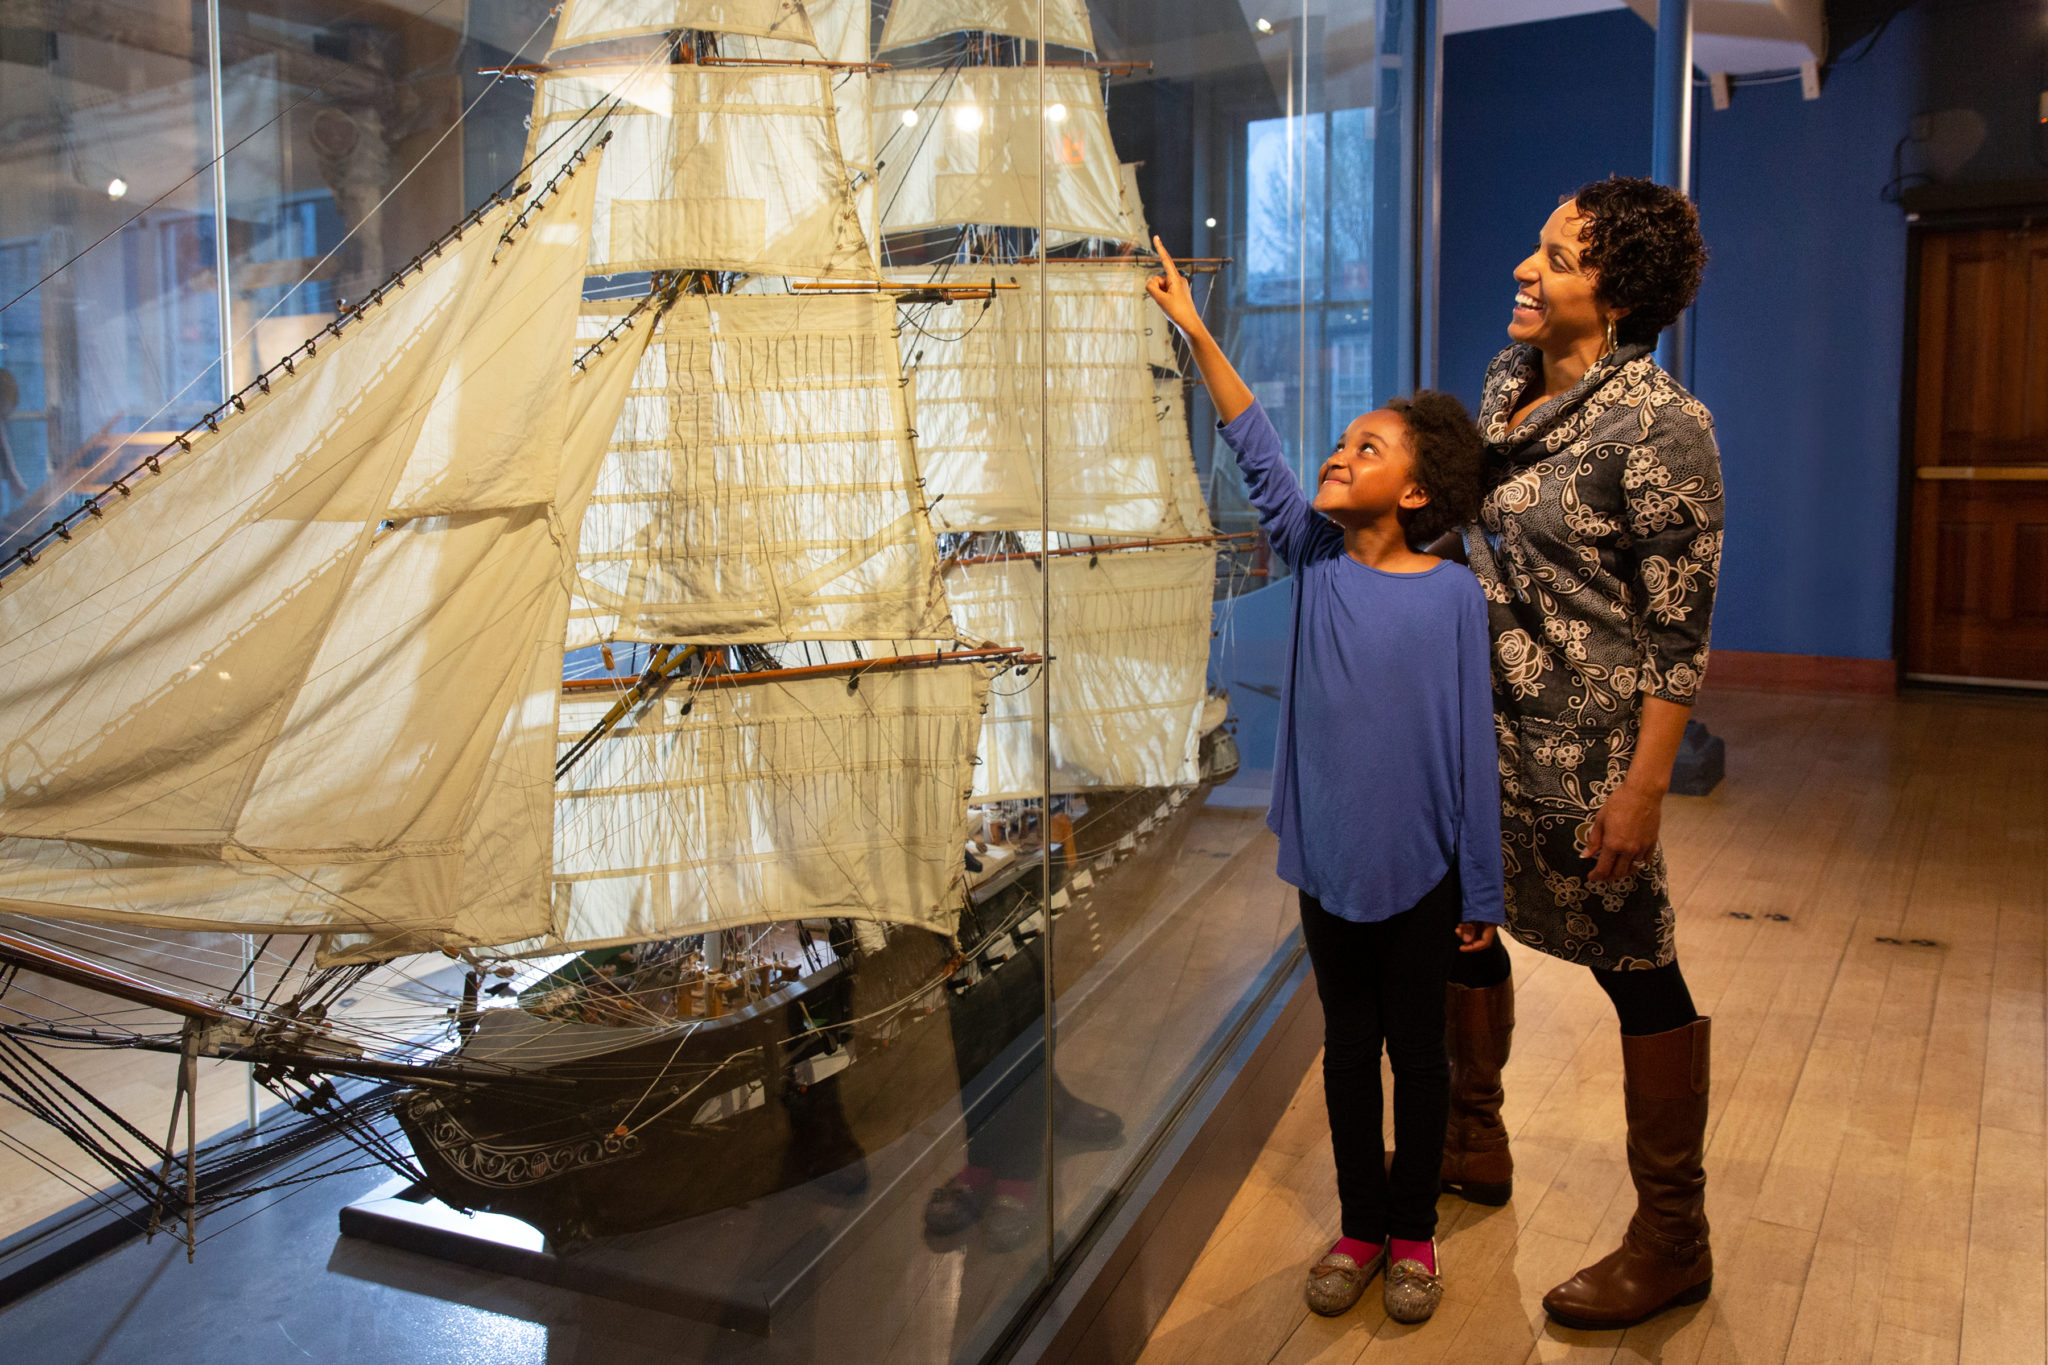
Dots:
(1371, 473)
(1555, 308)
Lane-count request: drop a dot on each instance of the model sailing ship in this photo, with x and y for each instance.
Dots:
(675, 664)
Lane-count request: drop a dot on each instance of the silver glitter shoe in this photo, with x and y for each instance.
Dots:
(1411, 1293)
(1338, 1281)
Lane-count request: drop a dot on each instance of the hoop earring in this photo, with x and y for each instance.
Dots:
(1610, 336)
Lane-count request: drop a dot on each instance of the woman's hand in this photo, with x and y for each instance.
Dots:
(1624, 831)
(1625, 828)
(1474, 937)
(1169, 289)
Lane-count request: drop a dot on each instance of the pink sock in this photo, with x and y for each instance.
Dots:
(1400, 1249)
(1365, 1253)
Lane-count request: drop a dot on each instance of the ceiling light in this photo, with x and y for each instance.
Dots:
(967, 116)
(1208, 222)
(910, 118)
(1056, 112)
(116, 187)
(1264, 25)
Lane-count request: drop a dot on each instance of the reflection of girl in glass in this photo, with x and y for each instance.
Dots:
(1598, 548)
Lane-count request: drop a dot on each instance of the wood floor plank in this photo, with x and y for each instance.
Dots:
(1838, 1314)
(2004, 1288)
(1878, 1141)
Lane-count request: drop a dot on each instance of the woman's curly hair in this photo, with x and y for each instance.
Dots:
(1643, 242)
(1450, 460)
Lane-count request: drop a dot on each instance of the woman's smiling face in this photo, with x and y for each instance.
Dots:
(1555, 307)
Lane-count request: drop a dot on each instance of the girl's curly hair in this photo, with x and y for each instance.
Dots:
(1643, 242)
(1450, 459)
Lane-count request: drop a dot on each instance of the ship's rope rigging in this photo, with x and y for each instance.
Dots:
(22, 555)
(426, 1029)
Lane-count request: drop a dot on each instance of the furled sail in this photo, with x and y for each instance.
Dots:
(916, 21)
(761, 484)
(711, 168)
(729, 805)
(1130, 646)
(975, 377)
(595, 21)
(961, 145)
(266, 689)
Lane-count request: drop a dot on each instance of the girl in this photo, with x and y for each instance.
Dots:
(1386, 798)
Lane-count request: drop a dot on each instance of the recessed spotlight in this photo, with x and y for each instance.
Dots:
(1208, 222)
(910, 118)
(1056, 112)
(116, 187)
(967, 116)
(1263, 25)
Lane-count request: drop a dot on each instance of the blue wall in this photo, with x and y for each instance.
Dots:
(1799, 347)
(1799, 338)
(1530, 112)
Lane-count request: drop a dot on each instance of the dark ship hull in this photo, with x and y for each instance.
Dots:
(805, 1081)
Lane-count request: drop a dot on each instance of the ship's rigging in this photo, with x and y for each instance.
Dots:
(358, 688)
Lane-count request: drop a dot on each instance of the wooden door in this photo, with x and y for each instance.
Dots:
(1977, 603)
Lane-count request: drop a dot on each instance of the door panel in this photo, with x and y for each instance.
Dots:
(1977, 598)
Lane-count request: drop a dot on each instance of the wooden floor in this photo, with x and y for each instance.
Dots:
(1862, 910)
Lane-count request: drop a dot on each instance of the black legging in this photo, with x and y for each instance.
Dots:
(1382, 984)
(1653, 1001)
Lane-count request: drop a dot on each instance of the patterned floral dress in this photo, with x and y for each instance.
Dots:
(1598, 549)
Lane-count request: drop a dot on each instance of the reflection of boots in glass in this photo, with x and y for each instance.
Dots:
(1013, 1215)
(1479, 1025)
(956, 1205)
(1663, 1260)
(1080, 1124)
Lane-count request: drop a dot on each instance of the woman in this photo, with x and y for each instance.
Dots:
(1598, 549)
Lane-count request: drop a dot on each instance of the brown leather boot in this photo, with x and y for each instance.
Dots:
(1479, 1024)
(1663, 1260)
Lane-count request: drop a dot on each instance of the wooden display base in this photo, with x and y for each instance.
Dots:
(734, 1268)
(678, 1284)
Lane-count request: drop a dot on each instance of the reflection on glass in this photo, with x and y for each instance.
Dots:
(105, 140)
(893, 391)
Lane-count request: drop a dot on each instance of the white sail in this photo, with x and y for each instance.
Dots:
(840, 28)
(265, 690)
(975, 388)
(767, 800)
(1130, 646)
(961, 145)
(596, 21)
(761, 484)
(508, 852)
(1183, 479)
(917, 21)
(1135, 228)
(711, 168)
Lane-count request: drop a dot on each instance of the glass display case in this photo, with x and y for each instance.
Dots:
(910, 672)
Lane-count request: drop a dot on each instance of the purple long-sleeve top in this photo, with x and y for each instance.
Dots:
(1386, 774)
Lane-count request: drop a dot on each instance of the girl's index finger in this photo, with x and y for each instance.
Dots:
(1165, 257)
